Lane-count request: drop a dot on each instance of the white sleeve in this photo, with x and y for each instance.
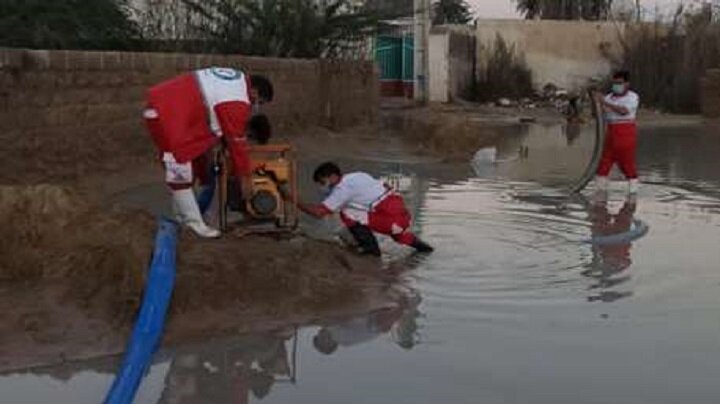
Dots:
(338, 198)
(632, 103)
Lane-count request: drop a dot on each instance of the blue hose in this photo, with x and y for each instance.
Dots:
(639, 230)
(150, 323)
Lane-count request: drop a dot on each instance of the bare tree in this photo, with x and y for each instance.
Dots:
(565, 9)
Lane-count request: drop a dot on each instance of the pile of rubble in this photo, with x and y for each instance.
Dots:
(550, 96)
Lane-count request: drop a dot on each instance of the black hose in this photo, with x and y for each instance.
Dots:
(592, 167)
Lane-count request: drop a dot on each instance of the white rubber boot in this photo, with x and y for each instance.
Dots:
(188, 213)
(601, 183)
(633, 186)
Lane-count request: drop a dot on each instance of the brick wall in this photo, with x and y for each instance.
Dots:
(70, 113)
(710, 94)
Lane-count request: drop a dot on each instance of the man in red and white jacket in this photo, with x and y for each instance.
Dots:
(620, 111)
(188, 115)
(366, 205)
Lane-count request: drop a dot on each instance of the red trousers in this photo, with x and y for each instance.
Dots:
(391, 218)
(621, 148)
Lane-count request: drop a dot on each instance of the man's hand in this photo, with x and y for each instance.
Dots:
(316, 211)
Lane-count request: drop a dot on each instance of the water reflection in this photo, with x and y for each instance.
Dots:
(232, 371)
(399, 322)
(611, 261)
(573, 132)
(546, 154)
(246, 368)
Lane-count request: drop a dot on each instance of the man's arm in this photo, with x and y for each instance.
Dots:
(232, 117)
(318, 211)
(619, 109)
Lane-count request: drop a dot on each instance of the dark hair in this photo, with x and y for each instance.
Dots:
(622, 74)
(324, 342)
(259, 129)
(263, 86)
(325, 170)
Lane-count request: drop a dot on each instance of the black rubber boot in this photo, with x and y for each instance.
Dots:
(421, 246)
(367, 243)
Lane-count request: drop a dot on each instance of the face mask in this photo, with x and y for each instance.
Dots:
(326, 189)
(255, 108)
(618, 89)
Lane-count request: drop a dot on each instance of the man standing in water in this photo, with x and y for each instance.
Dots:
(620, 111)
(366, 205)
(189, 115)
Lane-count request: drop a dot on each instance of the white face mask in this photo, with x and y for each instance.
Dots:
(618, 89)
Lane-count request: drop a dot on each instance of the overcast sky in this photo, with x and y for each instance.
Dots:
(506, 8)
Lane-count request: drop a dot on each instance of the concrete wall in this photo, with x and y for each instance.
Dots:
(69, 113)
(565, 53)
(451, 63)
(462, 63)
(710, 94)
(439, 67)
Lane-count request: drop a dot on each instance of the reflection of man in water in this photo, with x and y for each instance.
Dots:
(572, 113)
(400, 321)
(572, 133)
(610, 260)
(218, 375)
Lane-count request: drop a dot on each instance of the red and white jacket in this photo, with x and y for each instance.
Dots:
(188, 114)
(629, 100)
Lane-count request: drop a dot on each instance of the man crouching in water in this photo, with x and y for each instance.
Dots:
(366, 205)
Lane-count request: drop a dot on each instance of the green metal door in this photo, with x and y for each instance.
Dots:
(394, 56)
(408, 50)
(387, 57)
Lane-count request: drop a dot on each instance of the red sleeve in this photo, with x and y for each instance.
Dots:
(248, 83)
(233, 117)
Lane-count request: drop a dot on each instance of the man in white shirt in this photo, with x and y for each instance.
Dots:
(620, 111)
(366, 205)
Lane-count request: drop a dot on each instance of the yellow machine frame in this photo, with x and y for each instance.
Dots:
(277, 158)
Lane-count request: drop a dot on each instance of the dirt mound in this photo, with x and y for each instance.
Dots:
(293, 273)
(70, 271)
(51, 233)
(266, 278)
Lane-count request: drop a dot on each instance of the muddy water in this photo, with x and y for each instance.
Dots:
(518, 304)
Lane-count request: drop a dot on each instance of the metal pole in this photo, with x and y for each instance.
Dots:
(402, 62)
(421, 10)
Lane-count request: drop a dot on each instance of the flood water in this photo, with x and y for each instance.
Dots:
(517, 305)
